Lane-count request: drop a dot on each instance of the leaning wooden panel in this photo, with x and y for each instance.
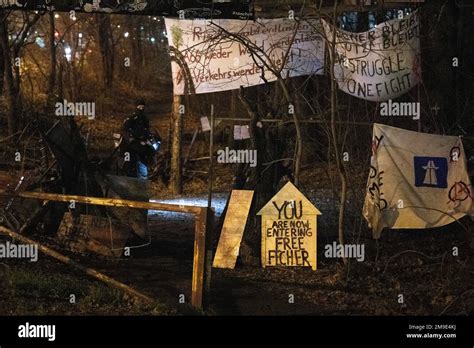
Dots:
(233, 229)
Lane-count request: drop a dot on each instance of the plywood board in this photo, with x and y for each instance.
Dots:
(233, 229)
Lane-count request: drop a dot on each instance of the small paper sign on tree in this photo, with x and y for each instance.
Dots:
(289, 230)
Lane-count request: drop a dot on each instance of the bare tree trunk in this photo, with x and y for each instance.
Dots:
(2, 70)
(18, 44)
(176, 184)
(136, 50)
(60, 81)
(10, 93)
(132, 49)
(106, 48)
(335, 138)
(52, 56)
(299, 141)
(16, 70)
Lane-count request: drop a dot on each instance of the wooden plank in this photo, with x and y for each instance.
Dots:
(90, 271)
(199, 258)
(209, 257)
(112, 202)
(233, 229)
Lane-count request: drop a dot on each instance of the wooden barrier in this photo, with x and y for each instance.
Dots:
(200, 214)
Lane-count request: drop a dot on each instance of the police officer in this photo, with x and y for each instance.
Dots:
(137, 134)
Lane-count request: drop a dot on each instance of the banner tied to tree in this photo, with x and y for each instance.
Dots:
(380, 64)
(289, 230)
(219, 55)
(416, 180)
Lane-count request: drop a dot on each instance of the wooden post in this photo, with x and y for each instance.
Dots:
(211, 158)
(210, 215)
(176, 145)
(199, 258)
(209, 257)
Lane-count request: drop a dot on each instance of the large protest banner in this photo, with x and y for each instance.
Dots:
(380, 64)
(217, 62)
(416, 180)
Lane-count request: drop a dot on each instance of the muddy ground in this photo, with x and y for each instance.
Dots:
(417, 264)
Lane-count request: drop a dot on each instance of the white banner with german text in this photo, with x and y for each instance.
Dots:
(219, 55)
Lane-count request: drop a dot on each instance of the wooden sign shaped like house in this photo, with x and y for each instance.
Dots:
(289, 230)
